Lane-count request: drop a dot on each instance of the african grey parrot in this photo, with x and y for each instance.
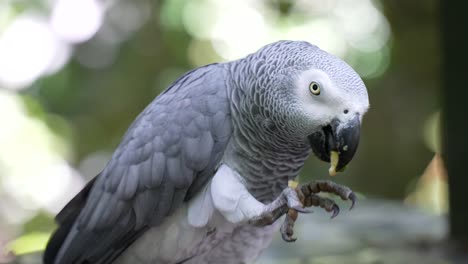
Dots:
(201, 176)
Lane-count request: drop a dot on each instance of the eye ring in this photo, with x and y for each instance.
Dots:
(314, 88)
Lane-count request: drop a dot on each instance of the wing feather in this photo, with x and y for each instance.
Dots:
(168, 153)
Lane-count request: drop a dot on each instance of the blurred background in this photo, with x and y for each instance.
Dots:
(74, 74)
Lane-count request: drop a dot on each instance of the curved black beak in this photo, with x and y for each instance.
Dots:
(339, 137)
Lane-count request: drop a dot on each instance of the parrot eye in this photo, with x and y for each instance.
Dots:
(314, 88)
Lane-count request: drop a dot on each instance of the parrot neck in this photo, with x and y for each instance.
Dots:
(266, 167)
(264, 154)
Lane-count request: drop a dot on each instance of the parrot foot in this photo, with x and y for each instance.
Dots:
(308, 195)
(294, 200)
(288, 199)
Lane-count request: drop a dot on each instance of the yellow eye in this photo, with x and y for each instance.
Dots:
(314, 88)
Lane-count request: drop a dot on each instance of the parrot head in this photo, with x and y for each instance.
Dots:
(332, 100)
(320, 98)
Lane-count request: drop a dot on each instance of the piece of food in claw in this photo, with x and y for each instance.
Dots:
(334, 157)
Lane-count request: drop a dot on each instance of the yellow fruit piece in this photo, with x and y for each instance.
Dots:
(334, 158)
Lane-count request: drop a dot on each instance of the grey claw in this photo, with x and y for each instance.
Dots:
(336, 211)
(302, 210)
(352, 197)
(288, 238)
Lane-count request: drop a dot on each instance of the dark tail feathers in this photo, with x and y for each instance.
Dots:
(65, 220)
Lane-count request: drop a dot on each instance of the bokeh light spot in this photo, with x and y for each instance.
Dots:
(76, 21)
(27, 49)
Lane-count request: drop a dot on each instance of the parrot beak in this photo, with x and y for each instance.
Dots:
(337, 143)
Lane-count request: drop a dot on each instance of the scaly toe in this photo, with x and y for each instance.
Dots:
(287, 228)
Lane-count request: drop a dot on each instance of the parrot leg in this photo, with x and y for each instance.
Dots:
(293, 201)
(287, 228)
(308, 195)
(288, 199)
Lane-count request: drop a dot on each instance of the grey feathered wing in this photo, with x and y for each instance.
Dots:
(166, 156)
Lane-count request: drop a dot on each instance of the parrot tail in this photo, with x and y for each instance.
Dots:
(65, 220)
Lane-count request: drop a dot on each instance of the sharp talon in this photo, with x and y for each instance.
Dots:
(352, 197)
(288, 238)
(336, 211)
(302, 210)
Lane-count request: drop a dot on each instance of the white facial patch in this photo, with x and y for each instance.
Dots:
(318, 105)
(332, 102)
